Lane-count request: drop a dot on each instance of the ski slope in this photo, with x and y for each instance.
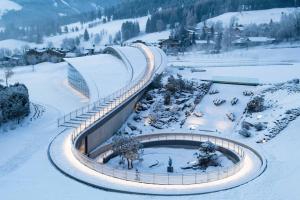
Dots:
(252, 17)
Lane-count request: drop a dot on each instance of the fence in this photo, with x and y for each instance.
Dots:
(101, 108)
(171, 178)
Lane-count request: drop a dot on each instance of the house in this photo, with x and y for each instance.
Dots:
(204, 44)
(12, 61)
(170, 46)
(252, 41)
(34, 56)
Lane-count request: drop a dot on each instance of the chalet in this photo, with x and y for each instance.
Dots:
(204, 44)
(34, 56)
(252, 41)
(12, 61)
(139, 41)
(170, 46)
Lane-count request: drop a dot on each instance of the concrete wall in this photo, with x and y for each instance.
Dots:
(96, 135)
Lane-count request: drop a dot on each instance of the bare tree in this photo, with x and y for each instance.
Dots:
(8, 73)
(128, 148)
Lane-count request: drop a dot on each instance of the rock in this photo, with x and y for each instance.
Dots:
(246, 125)
(198, 114)
(248, 93)
(231, 116)
(148, 97)
(158, 124)
(259, 126)
(187, 113)
(234, 101)
(137, 118)
(132, 127)
(219, 102)
(212, 92)
(296, 81)
(181, 101)
(245, 133)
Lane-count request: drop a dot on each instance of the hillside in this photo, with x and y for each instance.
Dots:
(252, 17)
(36, 11)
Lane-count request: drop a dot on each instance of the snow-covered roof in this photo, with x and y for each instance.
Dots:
(103, 73)
(204, 42)
(253, 39)
(260, 39)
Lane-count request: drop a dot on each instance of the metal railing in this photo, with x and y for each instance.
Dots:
(101, 108)
(170, 178)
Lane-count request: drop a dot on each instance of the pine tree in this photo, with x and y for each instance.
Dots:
(86, 35)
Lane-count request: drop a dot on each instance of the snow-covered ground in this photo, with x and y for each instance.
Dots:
(47, 84)
(252, 17)
(105, 29)
(26, 173)
(160, 156)
(281, 63)
(16, 44)
(110, 29)
(7, 5)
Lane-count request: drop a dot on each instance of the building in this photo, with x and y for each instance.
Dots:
(34, 56)
(204, 44)
(170, 46)
(245, 42)
(12, 61)
(76, 81)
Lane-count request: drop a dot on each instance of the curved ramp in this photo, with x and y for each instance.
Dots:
(97, 122)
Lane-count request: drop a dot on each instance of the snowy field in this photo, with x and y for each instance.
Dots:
(252, 17)
(281, 62)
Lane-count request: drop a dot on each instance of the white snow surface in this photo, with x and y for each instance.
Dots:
(12, 44)
(252, 17)
(100, 72)
(7, 5)
(137, 60)
(161, 155)
(280, 63)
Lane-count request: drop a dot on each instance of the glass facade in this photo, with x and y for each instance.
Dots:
(77, 81)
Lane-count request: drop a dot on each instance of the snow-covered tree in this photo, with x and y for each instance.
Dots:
(14, 102)
(86, 35)
(207, 155)
(128, 148)
(68, 43)
(97, 38)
